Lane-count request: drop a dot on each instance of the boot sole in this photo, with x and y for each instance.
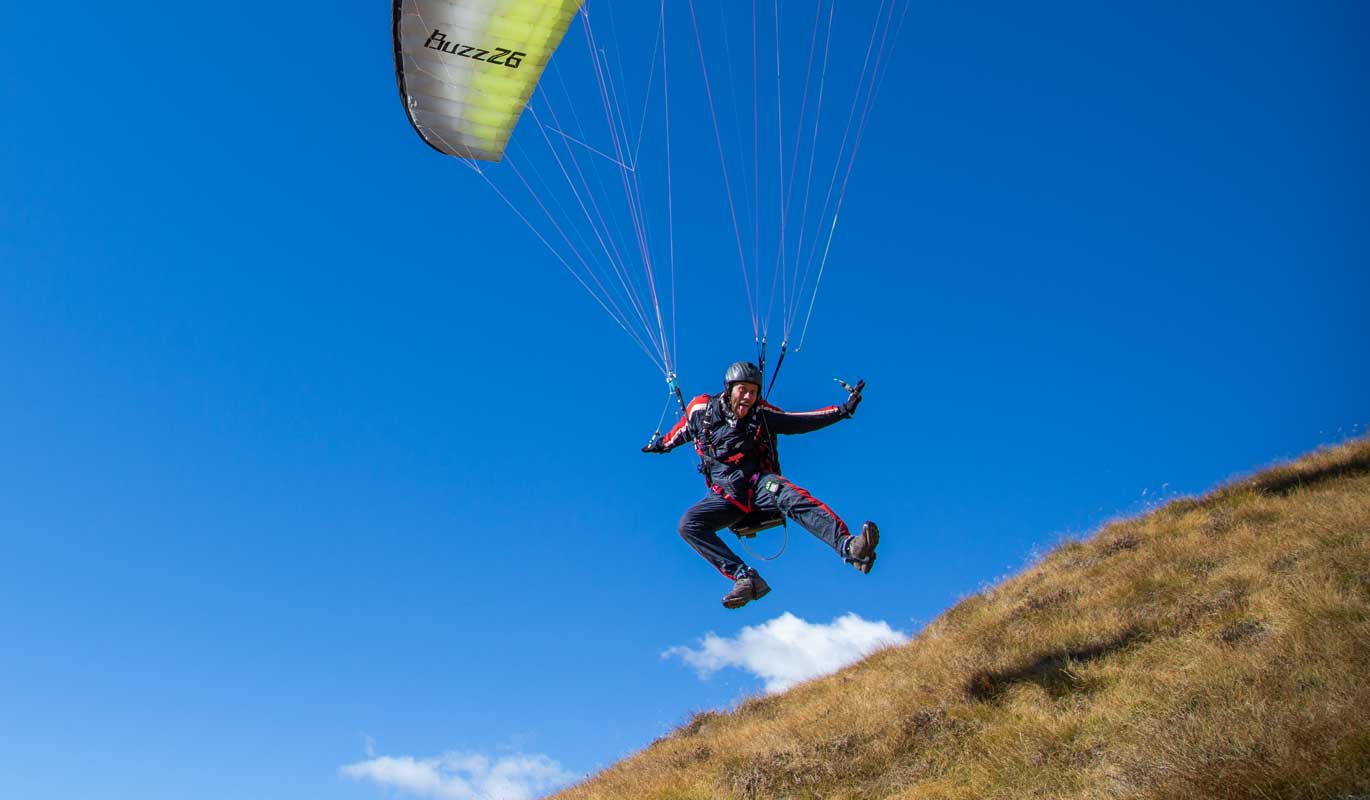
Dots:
(865, 566)
(757, 596)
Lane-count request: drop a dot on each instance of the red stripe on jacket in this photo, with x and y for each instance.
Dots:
(676, 435)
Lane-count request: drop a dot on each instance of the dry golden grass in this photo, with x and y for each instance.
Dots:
(1216, 647)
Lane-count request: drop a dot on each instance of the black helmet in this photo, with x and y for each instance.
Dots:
(742, 372)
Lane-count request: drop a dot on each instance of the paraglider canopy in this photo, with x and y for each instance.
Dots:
(467, 69)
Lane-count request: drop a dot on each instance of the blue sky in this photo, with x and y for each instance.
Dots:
(313, 457)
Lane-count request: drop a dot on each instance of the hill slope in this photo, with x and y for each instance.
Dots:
(1216, 647)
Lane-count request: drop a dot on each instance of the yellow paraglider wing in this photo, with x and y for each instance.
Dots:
(466, 68)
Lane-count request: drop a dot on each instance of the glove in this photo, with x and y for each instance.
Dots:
(654, 446)
(853, 399)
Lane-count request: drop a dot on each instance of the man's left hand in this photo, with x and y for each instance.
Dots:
(853, 399)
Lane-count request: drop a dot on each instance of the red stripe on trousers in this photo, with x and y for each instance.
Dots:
(818, 503)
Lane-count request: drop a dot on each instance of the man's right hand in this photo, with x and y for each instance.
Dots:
(654, 446)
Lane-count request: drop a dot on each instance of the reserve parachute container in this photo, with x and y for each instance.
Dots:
(466, 68)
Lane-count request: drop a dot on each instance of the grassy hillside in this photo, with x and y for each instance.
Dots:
(1216, 647)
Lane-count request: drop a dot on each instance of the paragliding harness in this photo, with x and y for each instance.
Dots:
(755, 521)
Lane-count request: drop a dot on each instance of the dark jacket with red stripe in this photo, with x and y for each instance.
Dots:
(735, 451)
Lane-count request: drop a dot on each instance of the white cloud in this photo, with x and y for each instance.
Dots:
(787, 650)
(463, 776)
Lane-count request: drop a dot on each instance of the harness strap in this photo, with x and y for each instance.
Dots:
(746, 508)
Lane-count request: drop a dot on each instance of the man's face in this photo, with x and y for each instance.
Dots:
(742, 398)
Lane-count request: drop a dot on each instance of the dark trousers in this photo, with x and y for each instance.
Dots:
(700, 524)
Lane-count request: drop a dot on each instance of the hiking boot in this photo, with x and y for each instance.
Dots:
(747, 588)
(861, 549)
